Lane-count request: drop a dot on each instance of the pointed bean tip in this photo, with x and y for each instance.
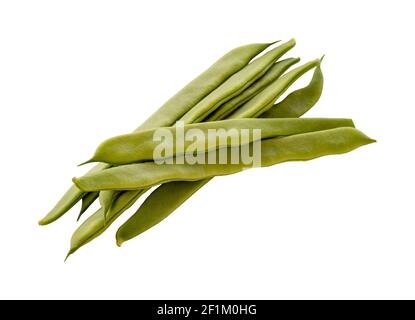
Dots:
(119, 243)
(322, 57)
(68, 255)
(86, 162)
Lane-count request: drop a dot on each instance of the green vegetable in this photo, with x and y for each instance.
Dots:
(174, 108)
(169, 196)
(236, 84)
(140, 146)
(272, 74)
(304, 146)
(300, 101)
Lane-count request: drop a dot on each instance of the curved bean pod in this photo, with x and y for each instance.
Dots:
(236, 84)
(139, 147)
(166, 198)
(99, 222)
(231, 87)
(272, 74)
(299, 101)
(174, 108)
(301, 146)
(262, 101)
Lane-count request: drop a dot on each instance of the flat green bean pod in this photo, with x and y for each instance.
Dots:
(169, 196)
(97, 223)
(299, 101)
(301, 146)
(262, 101)
(272, 54)
(272, 74)
(174, 108)
(236, 84)
(139, 146)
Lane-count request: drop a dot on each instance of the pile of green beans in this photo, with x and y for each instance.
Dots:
(239, 91)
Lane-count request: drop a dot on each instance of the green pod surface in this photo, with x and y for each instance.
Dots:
(139, 147)
(174, 108)
(262, 101)
(98, 222)
(299, 147)
(272, 74)
(236, 84)
(299, 101)
(87, 200)
(166, 198)
(275, 150)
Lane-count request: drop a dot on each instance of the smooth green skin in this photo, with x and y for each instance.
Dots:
(138, 147)
(236, 84)
(79, 238)
(232, 62)
(87, 200)
(276, 71)
(263, 100)
(231, 87)
(175, 108)
(165, 199)
(301, 147)
(217, 93)
(96, 224)
(149, 174)
(300, 101)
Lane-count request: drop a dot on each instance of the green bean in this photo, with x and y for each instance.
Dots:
(144, 175)
(259, 104)
(96, 224)
(174, 108)
(69, 199)
(300, 101)
(231, 87)
(300, 147)
(87, 200)
(272, 74)
(158, 206)
(169, 196)
(236, 84)
(140, 146)
(186, 99)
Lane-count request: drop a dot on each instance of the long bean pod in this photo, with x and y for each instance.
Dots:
(299, 147)
(302, 146)
(299, 101)
(236, 84)
(166, 198)
(261, 102)
(272, 74)
(140, 146)
(174, 108)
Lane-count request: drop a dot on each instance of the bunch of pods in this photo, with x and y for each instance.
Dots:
(239, 91)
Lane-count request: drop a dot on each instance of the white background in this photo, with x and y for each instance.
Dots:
(73, 73)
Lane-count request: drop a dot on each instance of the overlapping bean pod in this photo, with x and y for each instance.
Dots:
(166, 198)
(231, 89)
(174, 108)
